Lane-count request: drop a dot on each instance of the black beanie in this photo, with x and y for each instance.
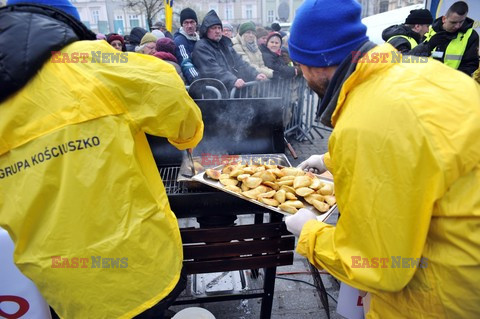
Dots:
(187, 13)
(275, 26)
(420, 16)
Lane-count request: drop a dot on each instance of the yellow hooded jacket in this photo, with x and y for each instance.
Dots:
(80, 193)
(405, 156)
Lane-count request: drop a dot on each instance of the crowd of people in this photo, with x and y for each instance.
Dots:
(249, 52)
(214, 49)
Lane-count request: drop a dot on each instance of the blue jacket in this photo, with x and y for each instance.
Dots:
(183, 52)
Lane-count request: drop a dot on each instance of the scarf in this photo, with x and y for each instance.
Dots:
(252, 47)
(189, 37)
(167, 56)
(345, 69)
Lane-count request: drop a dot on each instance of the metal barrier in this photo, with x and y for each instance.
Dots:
(309, 124)
(286, 89)
(300, 103)
(207, 88)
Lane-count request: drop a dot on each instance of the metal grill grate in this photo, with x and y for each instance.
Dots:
(169, 177)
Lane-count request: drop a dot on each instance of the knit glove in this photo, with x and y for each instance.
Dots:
(314, 162)
(295, 222)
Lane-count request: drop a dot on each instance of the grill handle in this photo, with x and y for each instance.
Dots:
(290, 148)
(190, 158)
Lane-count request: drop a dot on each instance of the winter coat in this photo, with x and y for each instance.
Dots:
(469, 62)
(183, 53)
(407, 182)
(255, 59)
(400, 43)
(218, 59)
(135, 38)
(277, 64)
(80, 193)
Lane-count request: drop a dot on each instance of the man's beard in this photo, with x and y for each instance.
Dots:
(319, 86)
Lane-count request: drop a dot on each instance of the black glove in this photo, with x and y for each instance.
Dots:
(440, 39)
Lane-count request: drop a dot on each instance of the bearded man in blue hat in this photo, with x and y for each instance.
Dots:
(405, 156)
(80, 193)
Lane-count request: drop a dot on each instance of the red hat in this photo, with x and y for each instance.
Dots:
(114, 37)
(166, 45)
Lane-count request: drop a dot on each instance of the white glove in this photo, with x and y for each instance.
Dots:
(296, 221)
(314, 162)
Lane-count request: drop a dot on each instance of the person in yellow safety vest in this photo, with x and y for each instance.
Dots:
(452, 40)
(406, 168)
(80, 193)
(405, 37)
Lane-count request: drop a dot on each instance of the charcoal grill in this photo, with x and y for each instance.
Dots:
(232, 127)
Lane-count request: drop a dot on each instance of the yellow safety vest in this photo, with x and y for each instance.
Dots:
(456, 48)
(411, 40)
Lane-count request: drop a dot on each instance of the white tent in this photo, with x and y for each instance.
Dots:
(379, 22)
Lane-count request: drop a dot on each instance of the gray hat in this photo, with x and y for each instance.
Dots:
(158, 25)
(228, 26)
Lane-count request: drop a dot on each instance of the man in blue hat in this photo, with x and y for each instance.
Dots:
(405, 156)
(80, 193)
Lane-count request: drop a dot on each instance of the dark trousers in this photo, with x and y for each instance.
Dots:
(157, 311)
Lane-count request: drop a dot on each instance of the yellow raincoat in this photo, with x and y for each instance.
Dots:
(405, 155)
(80, 193)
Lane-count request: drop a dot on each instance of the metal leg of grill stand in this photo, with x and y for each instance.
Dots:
(322, 292)
(258, 219)
(268, 289)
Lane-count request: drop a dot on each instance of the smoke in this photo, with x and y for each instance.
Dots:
(240, 126)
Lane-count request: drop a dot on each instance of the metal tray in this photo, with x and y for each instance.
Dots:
(202, 178)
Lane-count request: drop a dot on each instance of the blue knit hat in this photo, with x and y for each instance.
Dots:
(325, 32)
(63, 5)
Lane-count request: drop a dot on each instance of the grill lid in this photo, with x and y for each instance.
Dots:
(234, 126)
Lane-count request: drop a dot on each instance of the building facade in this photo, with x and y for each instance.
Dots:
(105, 16)
(371, 7)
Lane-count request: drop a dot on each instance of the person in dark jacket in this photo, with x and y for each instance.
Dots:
(161, 27)
(185, 39)
(215, 57)
(452, 40)
(405, 37)
(136, 36)
(272, 57)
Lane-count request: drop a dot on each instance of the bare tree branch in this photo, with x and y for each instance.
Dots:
(150, 8)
